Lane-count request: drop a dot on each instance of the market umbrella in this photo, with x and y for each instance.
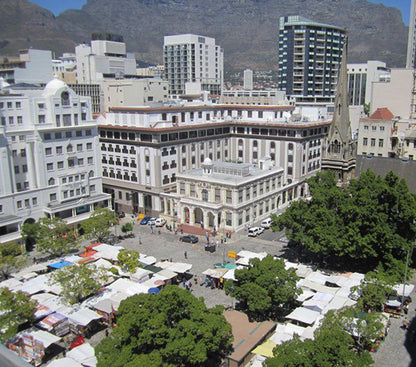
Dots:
(153, 290)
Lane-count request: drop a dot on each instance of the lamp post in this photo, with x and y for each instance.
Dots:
(405, 279)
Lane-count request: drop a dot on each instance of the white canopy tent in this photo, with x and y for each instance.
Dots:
(83, 317)
(83, 354)
(64, 362)
(304, 315)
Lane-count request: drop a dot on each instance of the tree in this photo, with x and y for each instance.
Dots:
(369, 224)
(30, 233)
(78, 281)
(55, 236)
(127, 227)
(373, 291)
(15, 309)
(172, 328)
(97, 226)
(11, 258)
(266, 288)
(332, 346)
(364, 327)
(129, 260)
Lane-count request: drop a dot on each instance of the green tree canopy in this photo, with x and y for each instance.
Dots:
(369, 224)
(172, 328)
(55, 236)
(129, 260)
(15, 309)
(78, 281)
(266, 289)
(97, 226)
(127, 227)
(30, 233)
(11, 258)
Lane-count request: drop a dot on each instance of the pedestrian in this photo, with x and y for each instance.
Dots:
(184, 281)
(176, 231)
(202, 224)
(212, 242)
(140, 240)
(170, 260)
(151, 228)
(106, 332)
(35, 261)
(181, 230)
(158, 231)
(196, 279)
(217, 244)
(190, 287)
(185, 254)
(405, 324)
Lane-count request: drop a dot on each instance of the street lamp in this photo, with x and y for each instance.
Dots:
(405, 279)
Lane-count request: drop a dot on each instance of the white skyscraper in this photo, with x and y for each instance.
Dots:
(248, 79)
(195, 59)
(411, 41)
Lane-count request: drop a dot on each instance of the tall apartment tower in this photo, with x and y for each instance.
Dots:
(411, 40)
(248, 79)
(309, 58)
(195, 59)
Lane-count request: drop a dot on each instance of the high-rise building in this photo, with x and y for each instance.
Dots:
(411, 40)
(361, 78)
(195, 59)
(248, 79)
(50, 162)
(309, 58)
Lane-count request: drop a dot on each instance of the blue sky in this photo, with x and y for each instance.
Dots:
(58, 6)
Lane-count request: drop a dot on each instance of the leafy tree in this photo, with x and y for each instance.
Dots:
(172, 328)
(127, 227)
(367, 108)
(266, 288)
(331, 347)
(55, 236)
(369, 224)
(11, 258)
(373, 291)
(15, 309)
(128, 260)
(30, 233)
(97, 226)
(364, 327)
(78, 282)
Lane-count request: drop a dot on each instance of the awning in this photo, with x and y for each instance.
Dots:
(180, 268)
(304, 315)
(83, 354)
(407, 290)
(64, 362)
(265, 349)
(44, 337)
(317, 277)
(59, 265)
(51, 320)
(83, 317)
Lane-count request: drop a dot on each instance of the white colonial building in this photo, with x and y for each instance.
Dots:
(227, 195)
(144, 150)
(49, 157)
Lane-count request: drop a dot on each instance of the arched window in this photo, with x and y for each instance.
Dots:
(65, 99)
(69, 148)
(272, 145)
(255, 144)
(240, 142)
(205, 195)
(91, 174)
(51, 181)
(290, 146)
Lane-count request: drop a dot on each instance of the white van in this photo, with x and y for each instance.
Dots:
(267, 223)
(253, 231)
(160, 222)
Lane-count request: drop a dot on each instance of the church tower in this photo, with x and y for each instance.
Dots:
(339, 150)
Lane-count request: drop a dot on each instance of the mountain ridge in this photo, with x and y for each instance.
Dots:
(247, 30)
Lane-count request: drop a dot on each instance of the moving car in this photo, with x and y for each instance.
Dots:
(189, 238)
(151, 221)
(145, 220)
(160, 222)
(267, 223)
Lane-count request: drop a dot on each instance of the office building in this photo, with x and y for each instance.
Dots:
(309, 58)
(105, 57)
(195, 59)
(32, 67)
(49, 157)
(361, 78)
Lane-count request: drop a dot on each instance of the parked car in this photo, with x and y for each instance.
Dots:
(267, 223)
(151, 221)
(253, 231)
(189, 238)
(261, 230)
(145, 220)
(160, 222)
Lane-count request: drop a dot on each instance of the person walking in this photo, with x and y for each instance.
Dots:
(140, 240)
(405, 324)
(185, 254)
(196, 279)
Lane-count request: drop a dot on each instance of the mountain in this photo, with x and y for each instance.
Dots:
(247, 30)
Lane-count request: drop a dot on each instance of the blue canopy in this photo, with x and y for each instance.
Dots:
(153, 290)
(59, 265)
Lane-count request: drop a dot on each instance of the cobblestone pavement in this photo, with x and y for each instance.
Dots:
(399, 348)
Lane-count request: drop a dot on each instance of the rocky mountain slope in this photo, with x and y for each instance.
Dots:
(246, 29)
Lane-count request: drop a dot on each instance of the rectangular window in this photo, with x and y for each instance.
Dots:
(27, 203)
(11, 120)
(182, 188)
(60, 164)
(52, 197)
(58, 150)
(380, 143)
(79, 147)
(89, 146)
(19, 204)
(67, 120)
(365, 127)
(217, 195)
(41, 119)
(20, 120)
(23, 152)
(24, 168)
(80, 161)
(16, 170)
(229, 199)
(48, 151)
(92, 188)
(365, 141)
(49, 166)
(373, 142)
(192, 190)
(381, 128)
(90, 160)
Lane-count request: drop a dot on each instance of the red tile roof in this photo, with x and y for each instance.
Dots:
(381, 114)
